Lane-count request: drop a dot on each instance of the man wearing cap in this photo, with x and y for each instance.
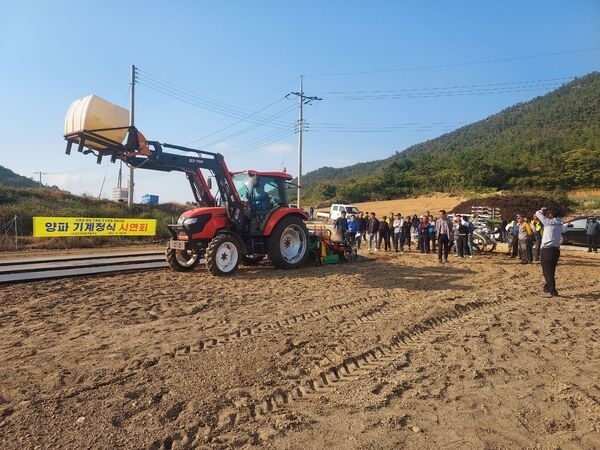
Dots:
(550, 251)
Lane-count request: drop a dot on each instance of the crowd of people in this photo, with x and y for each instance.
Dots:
(530, 239)
(397, 233)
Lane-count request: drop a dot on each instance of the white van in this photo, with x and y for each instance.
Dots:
(337, 208)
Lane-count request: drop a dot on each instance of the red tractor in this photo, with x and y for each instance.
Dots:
(247, 219)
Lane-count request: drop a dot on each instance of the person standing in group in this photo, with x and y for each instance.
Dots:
(455, 224)
(536, 227)
(415, 223)
(373, 230)
(513, 230)
(384, 234)
(443, 231)
(461, 242)
(361, 229)
(397, 225)
(340, 227)
(424, 235)
(366, 219)
(524, 237)
(470, 231)
(550, 251)
(406, 232)
(311, 213)
(502, 229)
(432, 233)
(352, 229)
(592, 231)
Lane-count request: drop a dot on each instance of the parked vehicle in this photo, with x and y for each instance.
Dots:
(337, 208)
(573, 231)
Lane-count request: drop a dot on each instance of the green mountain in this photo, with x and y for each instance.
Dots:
(10, 178)
(551, 142)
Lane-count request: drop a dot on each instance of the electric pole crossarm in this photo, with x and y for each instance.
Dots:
(302, 100)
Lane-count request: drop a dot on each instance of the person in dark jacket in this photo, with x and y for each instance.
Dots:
(592, 230)
(373, 230)
(384, 234)
(361, 229)
(424, 246)
(406, 234)
(340, 227)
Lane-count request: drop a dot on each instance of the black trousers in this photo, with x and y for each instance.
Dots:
(442, 247)
(549, 259)
(514, 248)
(462, 245)
(593, 242)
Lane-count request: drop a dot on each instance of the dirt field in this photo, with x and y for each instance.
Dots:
(396, 351)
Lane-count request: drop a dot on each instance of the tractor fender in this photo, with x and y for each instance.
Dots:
(276, 217)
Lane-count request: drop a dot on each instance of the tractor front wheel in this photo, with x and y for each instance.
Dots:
(182, 260)
(222, 255)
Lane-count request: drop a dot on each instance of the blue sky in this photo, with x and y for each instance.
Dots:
(215, 75)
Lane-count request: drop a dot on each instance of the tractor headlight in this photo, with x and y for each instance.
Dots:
(190, 221)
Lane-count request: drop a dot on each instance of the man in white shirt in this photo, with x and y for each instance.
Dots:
(550, 247)
(397, 225)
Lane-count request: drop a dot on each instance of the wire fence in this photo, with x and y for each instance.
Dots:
(9, 234)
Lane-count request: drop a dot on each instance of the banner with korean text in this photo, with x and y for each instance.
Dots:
(87, 226)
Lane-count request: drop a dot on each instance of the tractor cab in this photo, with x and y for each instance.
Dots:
(261, 193)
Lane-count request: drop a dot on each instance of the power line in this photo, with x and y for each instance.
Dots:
(463, 64)
(483, 89)
(252, 127)
(279, 89)
(187, 96)
(259, 142)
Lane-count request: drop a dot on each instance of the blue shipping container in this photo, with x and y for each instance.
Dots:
(150, 199)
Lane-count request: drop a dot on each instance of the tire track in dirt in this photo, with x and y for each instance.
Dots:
(138, 365)
(371, 314)
(350, 368)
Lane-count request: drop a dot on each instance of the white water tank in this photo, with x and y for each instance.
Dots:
(92, 113)
(120, 194)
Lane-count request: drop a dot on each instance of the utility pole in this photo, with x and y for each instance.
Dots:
(302, 99)
(131, 124)
(40, 173)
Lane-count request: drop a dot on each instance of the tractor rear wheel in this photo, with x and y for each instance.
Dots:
(288, 244)
(182, 260)
(222, 255)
